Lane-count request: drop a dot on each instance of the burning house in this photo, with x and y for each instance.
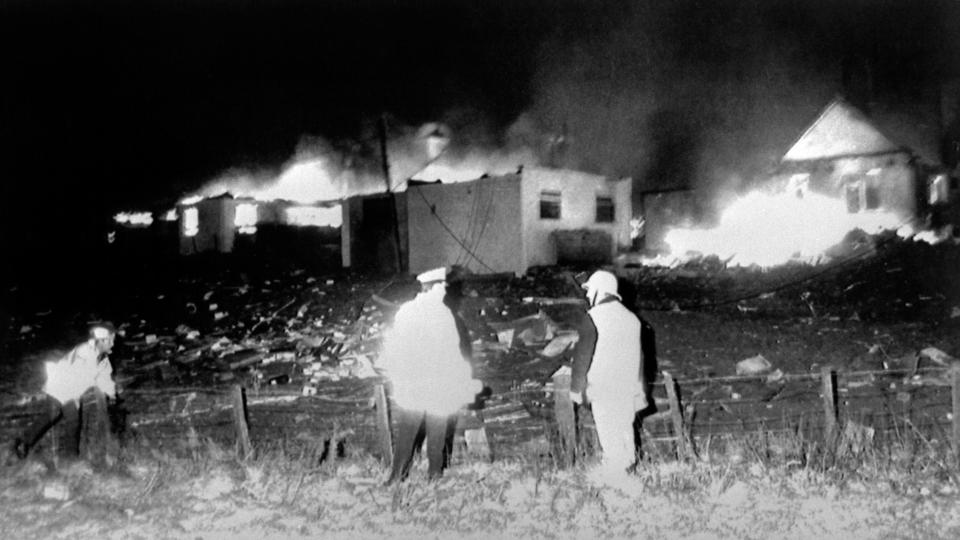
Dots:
(226, 223)
(842, 174)
(844, 154)
(504, 223)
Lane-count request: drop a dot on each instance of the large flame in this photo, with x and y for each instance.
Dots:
(770, 229)
(464, 167)
(305, 182)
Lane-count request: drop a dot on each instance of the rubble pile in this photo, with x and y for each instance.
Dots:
(887, 279)
(298, 330)
(294, 330)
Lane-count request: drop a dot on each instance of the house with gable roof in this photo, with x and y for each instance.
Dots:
(844, 153)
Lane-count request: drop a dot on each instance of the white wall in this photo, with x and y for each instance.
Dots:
(483, 214)
(579, 193)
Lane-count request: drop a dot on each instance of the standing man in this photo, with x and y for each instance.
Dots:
(86, 366)
(607, 372)
(430, 378)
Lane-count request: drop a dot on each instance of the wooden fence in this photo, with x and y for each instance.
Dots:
(523, 421)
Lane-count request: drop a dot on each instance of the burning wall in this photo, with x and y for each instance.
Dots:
(216, 224)
(841, 174)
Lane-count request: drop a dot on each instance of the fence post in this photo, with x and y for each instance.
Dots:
(240, 421)
(830, 410)
(956, 410)
(676, 414)
(95, 436)
(383, 425)
(563, 410)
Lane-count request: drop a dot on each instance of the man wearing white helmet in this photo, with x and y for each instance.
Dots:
(607, 370)
(430, 378)
(85, 367)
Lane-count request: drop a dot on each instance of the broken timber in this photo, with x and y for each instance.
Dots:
(566, 423)
(955, 380)
(676, 415)
(830, 410)
(383, 425)
(240, 420)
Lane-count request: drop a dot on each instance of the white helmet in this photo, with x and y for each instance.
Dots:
(601, 283)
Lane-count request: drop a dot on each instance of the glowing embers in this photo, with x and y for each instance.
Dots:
(314, 216)
(191, 221)
(246, 218)
(134, 219)
(766, 230)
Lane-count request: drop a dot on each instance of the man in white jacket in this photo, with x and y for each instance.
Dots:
(86, 366)
(607, 369)
(430, 379)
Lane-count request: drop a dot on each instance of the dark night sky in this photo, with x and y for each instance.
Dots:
(108, 106)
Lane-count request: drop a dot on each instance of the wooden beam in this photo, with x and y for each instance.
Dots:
(240, 421)
(383, 425)
(676, 414)
(95, 432)
(830, 411)
(566, 424)
(956, 411)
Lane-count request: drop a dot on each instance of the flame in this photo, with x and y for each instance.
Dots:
(304, 182)
(246, 218)
(463, 168)
(191, 221)
(316, 216)
(769, 229)
(449, 173)
(142, 219)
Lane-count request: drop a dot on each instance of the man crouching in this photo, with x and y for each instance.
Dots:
(86, 366)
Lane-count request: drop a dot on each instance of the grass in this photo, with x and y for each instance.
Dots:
(856, 485)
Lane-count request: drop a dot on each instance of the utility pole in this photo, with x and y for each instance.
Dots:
(391, 198)
(384, 159)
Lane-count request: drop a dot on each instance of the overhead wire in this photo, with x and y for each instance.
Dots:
(486, 218)
(482, 206)
(433, 212)
(462, 256)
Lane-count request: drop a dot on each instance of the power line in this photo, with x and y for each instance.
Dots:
(433, 212)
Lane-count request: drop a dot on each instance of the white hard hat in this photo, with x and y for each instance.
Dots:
(430, 276)
(602, 282)
(102, 331)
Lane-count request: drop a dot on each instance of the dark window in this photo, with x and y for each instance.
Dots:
(605, 211)
(852, 195)
(549, 205)
(871, 196)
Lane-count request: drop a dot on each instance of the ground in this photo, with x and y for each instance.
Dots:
(264, 499)
(867, 309)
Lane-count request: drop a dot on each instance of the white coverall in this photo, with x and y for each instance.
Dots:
(76, 372)
(613, 381)
(421, 357)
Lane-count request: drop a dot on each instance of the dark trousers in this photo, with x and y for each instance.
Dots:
(412, 427)
(69, 413)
